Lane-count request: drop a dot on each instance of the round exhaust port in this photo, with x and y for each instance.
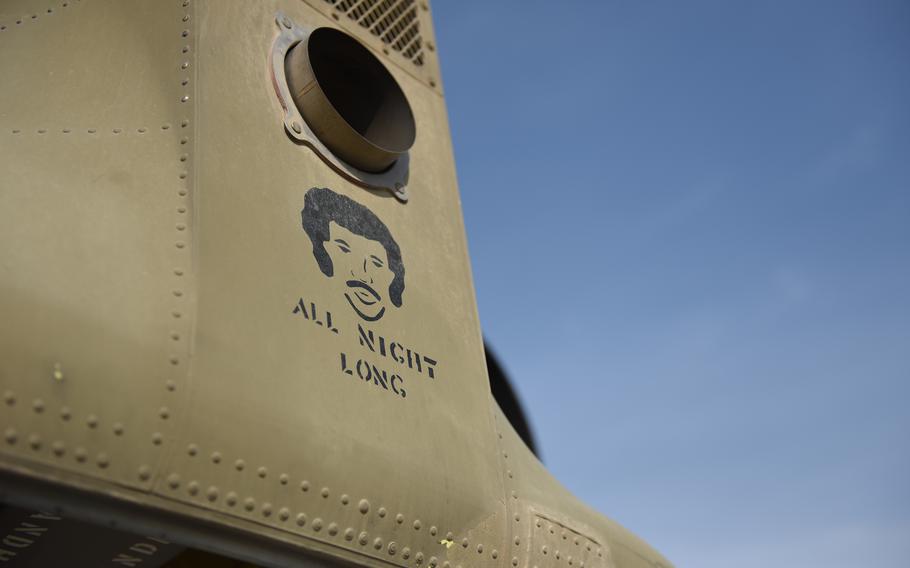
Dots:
(350, 100)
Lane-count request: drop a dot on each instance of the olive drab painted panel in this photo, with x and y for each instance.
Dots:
(213, 334)
(95, 249)
(292, 346)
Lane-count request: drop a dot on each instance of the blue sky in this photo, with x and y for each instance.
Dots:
(690, 234)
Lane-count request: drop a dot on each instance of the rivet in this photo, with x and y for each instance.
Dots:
(117, 428)
(184, 123)
(186, 18)
(576, 541)
(363, 506)
(38, 405)
(66, 130)
(557, 555)
(185, 33)
(266, 509)
(432, 82)
(9, 397)
(406, 553)
(164, 413)
(184, 140)
(174, 360)
(510, 473)
(464, 542)
(349, 534)
(537, 523)
(301, 520)
(185, 64)
(377, 543)
(102, 460)
(185, 82)
(185, 49)
(433, 561)
(295, 126)
(173, 480)
(570, 560)
(514, 561)
(479, 549)
(317, 524)
(515, 496)
(517, 518)
(230, 499)
(345, 499)
(192, 449)
(181, 209)
(362, 539)
(178, 293)
(419, 557)
(58, 372)
(141, 130)
(325, 492)
(193, 487)
(505, 455)
(171, 385)
(34, 441)
(382, 512)
(80, 454)
(284, 513)
(544, 549)
(145, 472)
(446, 564)
(239, 465)
(283, 479)
(417, 525)
(495, 554)
(517, 541)
(433, 531)
(157, 438)
(92, 130)
(91, 421)
(399, 518)
(211, 493)
(184, 98)
(262, 472)
(249, 503)
(304, 486)
(165, 126)
(333, 529)
(58, 448)
(216, 457)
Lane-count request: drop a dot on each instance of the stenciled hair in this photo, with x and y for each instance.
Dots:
(321, 206)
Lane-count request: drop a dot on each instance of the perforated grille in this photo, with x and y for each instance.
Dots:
(394, 22)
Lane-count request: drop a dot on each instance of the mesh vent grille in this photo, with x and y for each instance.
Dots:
(394, 22)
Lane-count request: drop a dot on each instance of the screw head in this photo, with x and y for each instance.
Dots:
(296, 127)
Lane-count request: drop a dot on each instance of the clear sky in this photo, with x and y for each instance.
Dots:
(690, 232)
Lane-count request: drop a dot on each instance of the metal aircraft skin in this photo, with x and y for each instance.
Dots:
(236, 302)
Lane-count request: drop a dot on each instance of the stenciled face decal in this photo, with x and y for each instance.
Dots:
(351, 245)
(356, 251)
(364, 265)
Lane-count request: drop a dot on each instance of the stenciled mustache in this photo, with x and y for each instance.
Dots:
(364, 285)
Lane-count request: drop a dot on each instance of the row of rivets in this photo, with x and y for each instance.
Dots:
(33, 17)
